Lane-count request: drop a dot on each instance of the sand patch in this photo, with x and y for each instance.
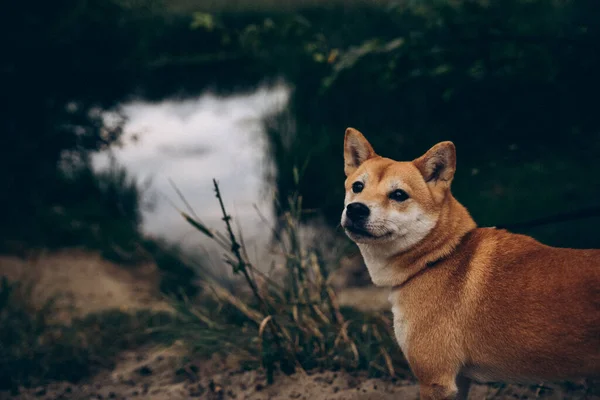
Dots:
(85, 282)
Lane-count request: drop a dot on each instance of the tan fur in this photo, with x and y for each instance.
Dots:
(468, 302)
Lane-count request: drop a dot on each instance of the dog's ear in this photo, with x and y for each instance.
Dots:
(357, 150)
(438, 166)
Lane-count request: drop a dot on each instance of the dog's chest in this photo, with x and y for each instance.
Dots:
(382, 273)
(401, 325)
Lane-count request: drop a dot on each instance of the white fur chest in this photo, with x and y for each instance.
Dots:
(382, 273)
(401, 325)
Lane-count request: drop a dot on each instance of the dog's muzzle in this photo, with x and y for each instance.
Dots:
(357, 213)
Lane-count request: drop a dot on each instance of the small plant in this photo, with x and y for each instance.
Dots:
(293, 324)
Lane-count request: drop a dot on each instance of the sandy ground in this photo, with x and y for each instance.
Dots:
(85, 282)
(161, 374)
(93, 284)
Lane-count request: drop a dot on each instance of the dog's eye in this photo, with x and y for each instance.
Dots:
(357, 187)
(399, 195)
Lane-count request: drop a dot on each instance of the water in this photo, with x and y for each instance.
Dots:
(192, 141)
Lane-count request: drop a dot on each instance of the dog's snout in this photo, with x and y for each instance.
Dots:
(357, 211)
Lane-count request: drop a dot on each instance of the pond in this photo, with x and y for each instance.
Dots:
(191, 141)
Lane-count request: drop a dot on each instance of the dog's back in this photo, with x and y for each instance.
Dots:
(539, 308)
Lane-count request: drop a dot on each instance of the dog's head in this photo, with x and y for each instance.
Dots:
(390, 202)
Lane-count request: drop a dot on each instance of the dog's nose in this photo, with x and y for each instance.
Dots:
(357, 211)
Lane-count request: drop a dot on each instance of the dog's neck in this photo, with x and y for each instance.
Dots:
(394, 269)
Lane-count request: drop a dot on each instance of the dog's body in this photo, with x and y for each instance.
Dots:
(468, 302)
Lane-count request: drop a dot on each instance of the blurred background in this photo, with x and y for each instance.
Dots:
(119, 113)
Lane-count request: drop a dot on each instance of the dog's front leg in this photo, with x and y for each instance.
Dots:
(448, 388)
(442, 383)
(440, 389)
(437, 370)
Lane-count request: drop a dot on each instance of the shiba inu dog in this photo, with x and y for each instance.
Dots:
(469, 303)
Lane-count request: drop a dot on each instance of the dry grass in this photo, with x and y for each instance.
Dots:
(291, 324)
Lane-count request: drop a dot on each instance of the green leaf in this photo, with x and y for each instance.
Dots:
(197, 225)
(203, 20)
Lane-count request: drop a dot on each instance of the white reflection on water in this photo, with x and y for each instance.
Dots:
(192, 141)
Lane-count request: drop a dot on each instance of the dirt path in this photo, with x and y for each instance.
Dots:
(160, 374)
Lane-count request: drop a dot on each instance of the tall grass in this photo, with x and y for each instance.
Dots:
(291, 323)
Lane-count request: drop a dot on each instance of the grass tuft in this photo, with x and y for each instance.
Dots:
(295, 324)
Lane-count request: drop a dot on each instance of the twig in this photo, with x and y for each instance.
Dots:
(191, 210)
(241, 266)
(235, 249)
